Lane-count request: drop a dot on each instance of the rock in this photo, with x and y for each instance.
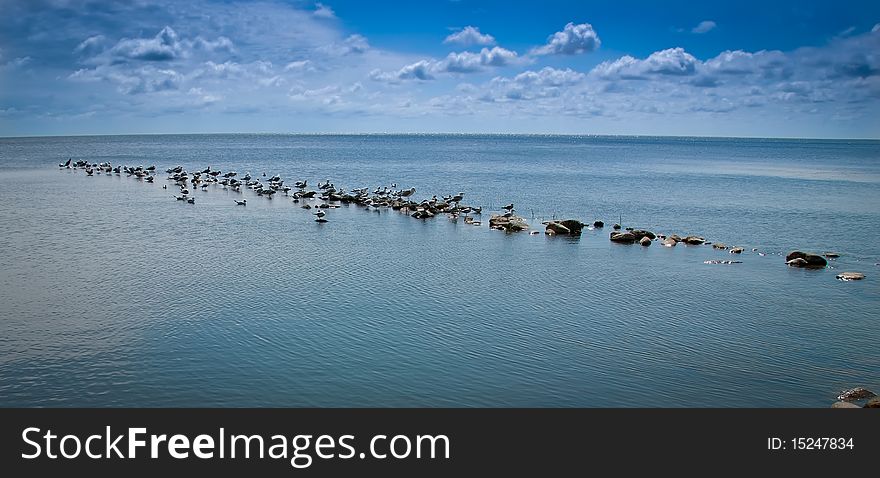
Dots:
(844, 405)
(693, 240)
(726, 262)
(645, 241)
(719, 245)
(556, 228)
(832, 255)
(848, 276)
(809, 260)
(675, 237)
(858, 393)
(873, 403)
(509, 224)
(669, 242)
(598, 224)
(616, 227)
(640, 233)
(624, 237)
(568, 226)
(736, 250)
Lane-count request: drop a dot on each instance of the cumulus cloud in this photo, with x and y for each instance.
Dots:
(462, 62)
(164, 46)
(420, 70)
(167, 45)
(545, 83)
(323, 11)
(704, 27)
(470, 35)
(672, 61)
(467, 62)
(573, 39)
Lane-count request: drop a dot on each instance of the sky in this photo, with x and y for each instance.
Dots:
(744, 68)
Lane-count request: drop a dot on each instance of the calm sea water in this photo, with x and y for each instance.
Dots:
(114, 294)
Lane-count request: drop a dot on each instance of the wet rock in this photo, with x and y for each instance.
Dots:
(556, 228)
(719, 245)
(598, 224)
(623, 237)
(809, 260)
(645, 241)
(568, 226)
(669, 242)
(736, 250)
(675, 237)
(616, 227)
(832, 255)
(693, 240)
(725, 262)
(858, 393)
(873, 403)
(844, 405)
(640, 233)
(848, 276)
(508, 223)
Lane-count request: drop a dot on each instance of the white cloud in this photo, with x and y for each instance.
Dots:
(323, 11)
(353, 44)
(470, 35)
(299, 65)
(573, 39)
(90, 44)
(164, 46)
(463, 62)
(467, 62)
(704, 27)
(15, 63)
(672, 61)
(420, 70)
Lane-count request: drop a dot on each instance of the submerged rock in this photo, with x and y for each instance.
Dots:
(719, 245)
(669, 242)
(598, 224)
(624, 237)
(645, 241)
(848, 276)
(832, 255)
(725, 262)
(803, 259)
(841, 404)
(616, 227)
(693, 240)
(858, 393)
(736, 250)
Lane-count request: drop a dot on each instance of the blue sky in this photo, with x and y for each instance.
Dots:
(786, 68)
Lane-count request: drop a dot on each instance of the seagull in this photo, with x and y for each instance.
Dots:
(508, 208)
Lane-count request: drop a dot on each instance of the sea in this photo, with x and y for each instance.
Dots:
(115, 294)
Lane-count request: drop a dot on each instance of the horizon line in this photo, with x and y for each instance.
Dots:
(427, 133)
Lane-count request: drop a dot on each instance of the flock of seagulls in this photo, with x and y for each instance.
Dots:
(327, 193)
